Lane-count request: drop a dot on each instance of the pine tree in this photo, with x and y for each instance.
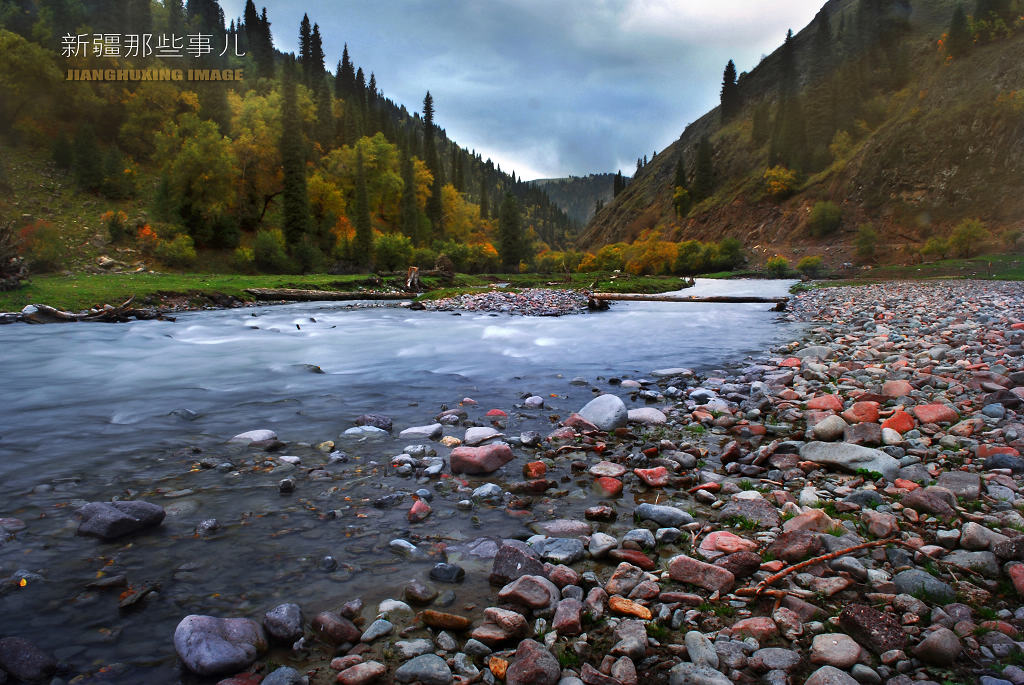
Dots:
(316, 57)
(305, 48)
(175, 17)
(325, 125)
(510, 234)
(704, 173)
(959, 41)
(295, 201)
(206, 16)
(363, 246)
(730, 93)
(347, 74)
(680, 175)
(434, 208)
(261, 44)
(252, 21)
(618, 184)
(88, 165)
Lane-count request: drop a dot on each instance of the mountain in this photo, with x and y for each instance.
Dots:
(578, 196)
(869, 108)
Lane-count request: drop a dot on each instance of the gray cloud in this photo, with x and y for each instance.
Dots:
(549, 87)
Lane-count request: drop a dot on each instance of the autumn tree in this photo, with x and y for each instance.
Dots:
(730, 95)
(295, 201)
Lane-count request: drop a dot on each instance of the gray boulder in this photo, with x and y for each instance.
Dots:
(607, 412)
(851, 457)
(211, 646)
(110, 520)
(284, 622)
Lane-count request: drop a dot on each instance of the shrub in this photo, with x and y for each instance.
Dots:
(611, 257)
(457, 253)
(935, 248)
(269, 252)
(483, 258)
(559, 262)
(43, 247)
(587, 264)
(1011, 237)
(779, 182)
(117, 225)
(12, 266)
(691, 258)
(244, 259)
(728, 254)
(968, 237)
(825, 218)
(393, 251)
(867, 239)
(810, 266)
(777, 266)
(180, 252)
(423, 257)
(307, 254)
(681, 200)
(841, 145)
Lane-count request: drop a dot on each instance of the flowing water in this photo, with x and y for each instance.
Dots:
(96, 411)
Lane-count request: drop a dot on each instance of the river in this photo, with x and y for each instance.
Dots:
(96, 411)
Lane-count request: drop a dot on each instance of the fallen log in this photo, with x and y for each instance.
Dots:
(43, 313)
(600, 298)
(298, 295)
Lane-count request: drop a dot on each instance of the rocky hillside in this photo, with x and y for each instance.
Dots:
(578, 196)
(942, 143)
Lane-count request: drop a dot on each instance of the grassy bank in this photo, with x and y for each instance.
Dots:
(81, 291)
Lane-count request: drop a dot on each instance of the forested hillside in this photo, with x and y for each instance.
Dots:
(579, 196)
(885, 130)
(303, 164)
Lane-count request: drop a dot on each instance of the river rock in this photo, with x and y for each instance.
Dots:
(428, 432)
(500, 625)
(536, 592)
(757, 510)
(941, 647)
(684, 569)
(835, 649)
(647, 416)
(111, 520)
(284, 676)
(211, 646)
(961, 483)
(630, 639)
(334, 629)
(830, 675)
(480, 460)
(533, 665)
(851, 457)
(362, 674)
(919, 583)
(284, 623)
(513, 561)
(663, 515)
(480, 434)
(447, 573)
(700, 649)
(688, 673)
(254, 436)
(607, 412)
(830, 428)
(24, 661)
(375, 420)
(931, 500)
(428, 669)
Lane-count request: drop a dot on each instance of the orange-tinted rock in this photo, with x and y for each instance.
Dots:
(900, 422)
(897, 388)
(761, 628)
(790, 362)
(935, 413)
(861, 412)
(635, 557)
(724, 541)
(825, 402)
(621, 605)
(444, 621)
(611, 486)
(534, 469)
(480, 460)
(419, 511)
(498, 667)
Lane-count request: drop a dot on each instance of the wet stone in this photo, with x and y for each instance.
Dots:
(428, 669)
(447, 573)
(212, 646)
(25, 661)
(284, 623)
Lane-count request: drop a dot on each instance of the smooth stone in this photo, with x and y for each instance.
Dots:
(851, 457)
(480, 460)
(428, 432)
(284, 676)
(830, 675)
(284, 622)
(377, 629)
(211, 646)
(920, 584)
(428, 669)
(25, 661)
(447, 573)
(700, 649)
(688, 673)
(664, 515)
(111, 520)
(647, 416)
(479, 434)
(941, 647)
(607, 412)
(533, 665)
(835, 649)
(254, 436)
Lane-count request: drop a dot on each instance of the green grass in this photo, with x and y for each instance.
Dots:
(81, 291)
(999, 267)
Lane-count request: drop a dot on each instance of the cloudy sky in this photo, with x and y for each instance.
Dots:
(549, 87)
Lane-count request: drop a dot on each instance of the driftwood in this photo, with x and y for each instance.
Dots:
(297, 295)
(730, 299)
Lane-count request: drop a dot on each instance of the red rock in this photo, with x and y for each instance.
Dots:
(533, 665)
(880, 524)
(724, 541)
(936, 413)
(984, 451)
(861, 412)
(568, 617)
(334, 629)
(361, 674)
(900, 421)
(480, 460)
(684, 569)
(496, 412)
(419, 511)
(1016, 573)
(761, 628)
(826, 402)
(905, 484)
(340, 663)
(897, 388)
(242, 679)
(579, 423)
(562, 575)
(812, 519)
(531, 487)
(635, 557)
(790, 362)
(611, 486)
(500, 625)
(534, 469)
(656, 477)
(444, 621)
(591, 676)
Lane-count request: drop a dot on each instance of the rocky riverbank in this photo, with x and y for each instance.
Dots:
(844, 511)
(529, 302)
